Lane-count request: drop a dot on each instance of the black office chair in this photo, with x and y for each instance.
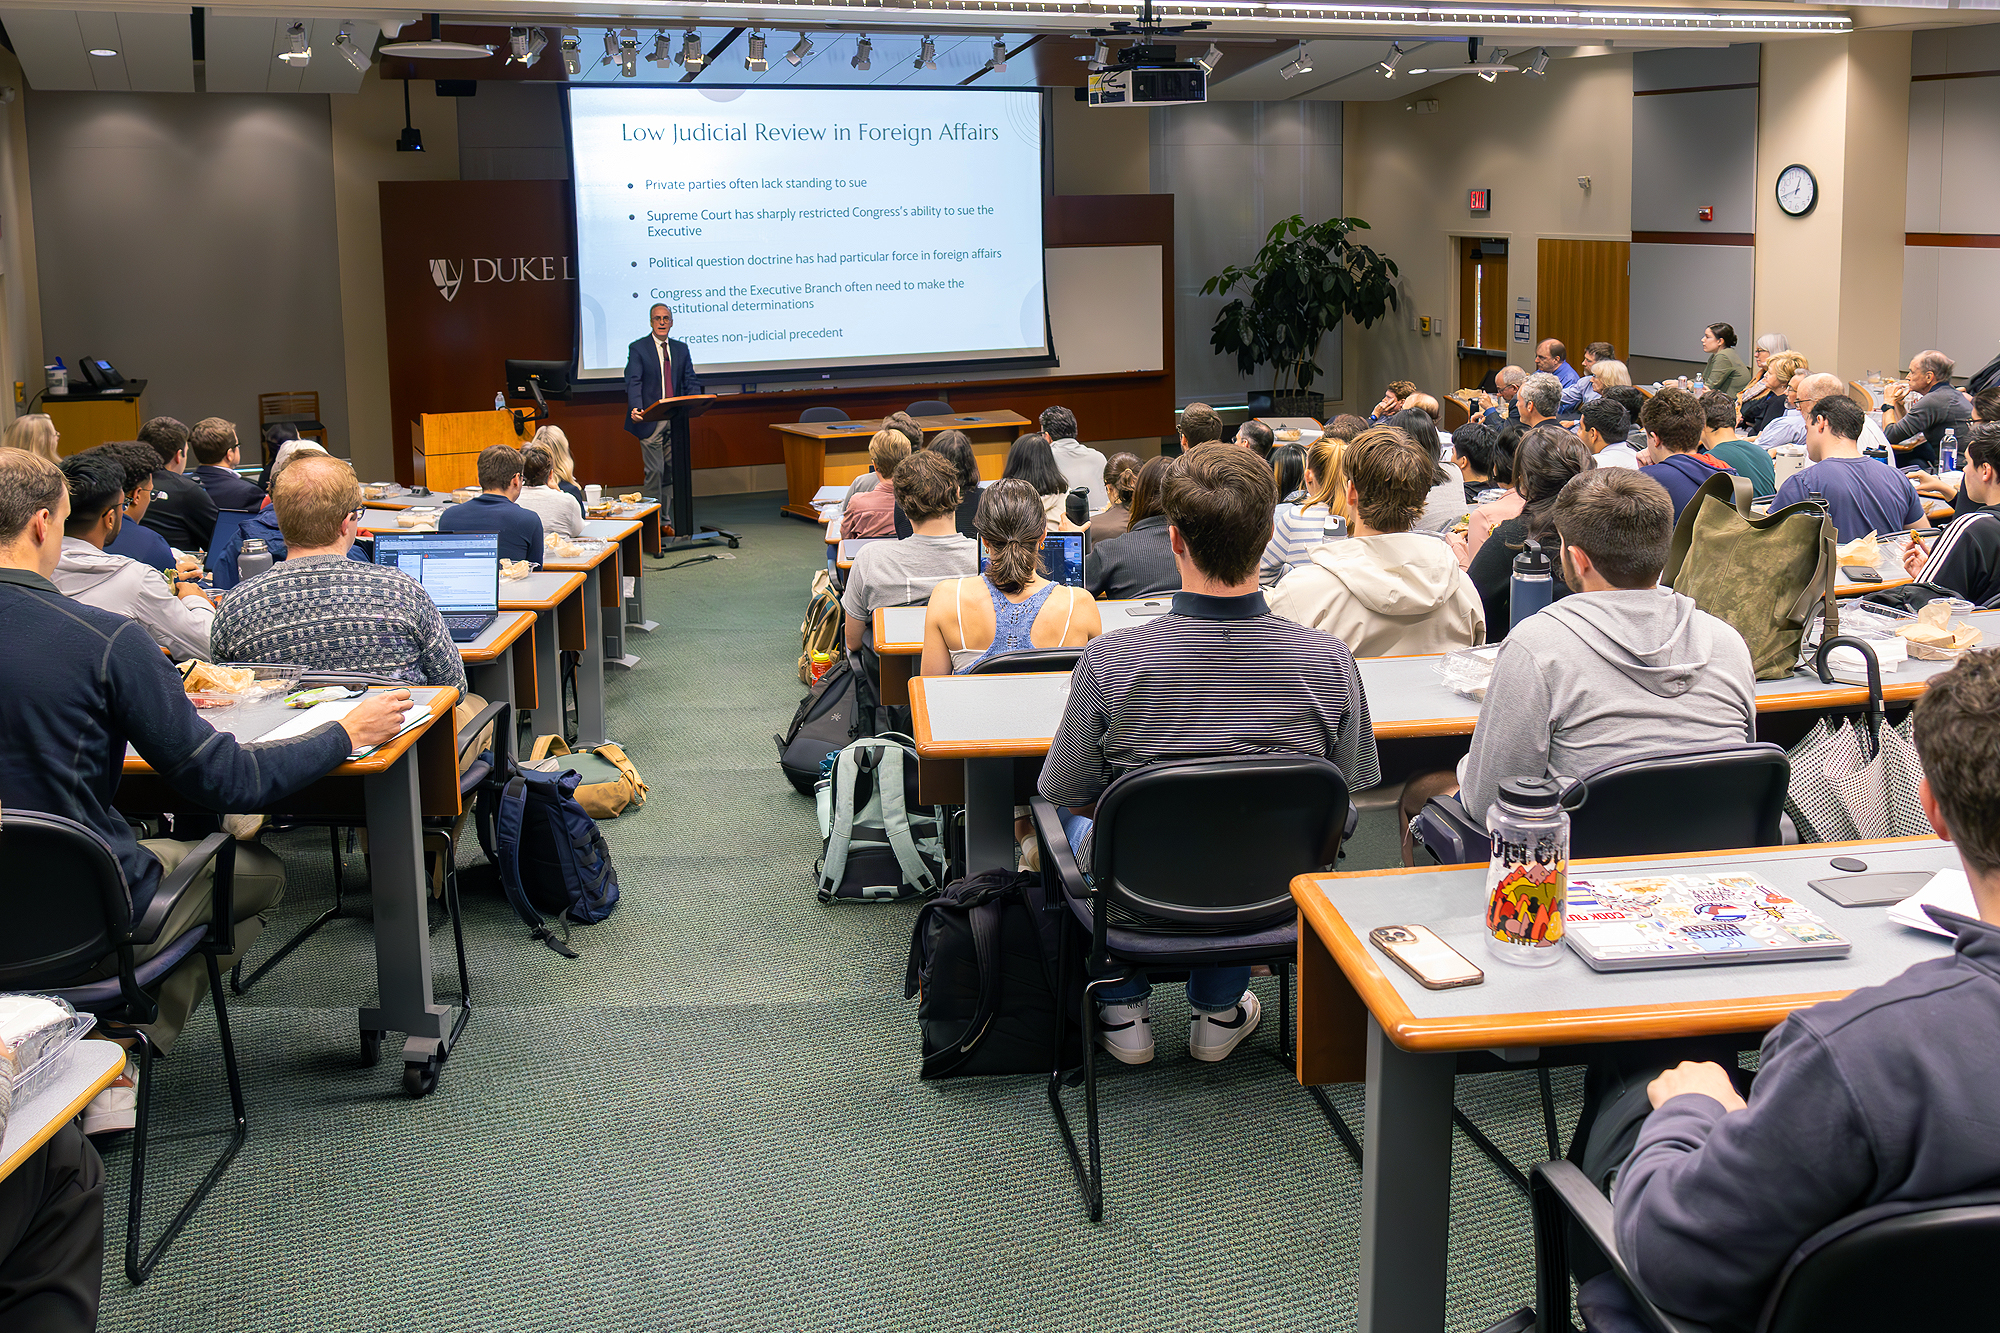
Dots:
(1203, 853)
(69, 911)
(821, 414)
(1735, 796)
(1616, 809)
(1917, 1264)
(929, 407)
(1027, 659)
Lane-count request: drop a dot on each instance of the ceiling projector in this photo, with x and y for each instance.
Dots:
(1148, 75)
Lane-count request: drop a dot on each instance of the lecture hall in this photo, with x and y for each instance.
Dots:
(695, 634)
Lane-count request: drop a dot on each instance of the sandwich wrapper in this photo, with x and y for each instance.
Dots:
(1934, 638)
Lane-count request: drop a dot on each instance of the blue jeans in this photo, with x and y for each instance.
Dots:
(1211, 988)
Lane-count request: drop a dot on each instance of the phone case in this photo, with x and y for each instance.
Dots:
(1399, 941)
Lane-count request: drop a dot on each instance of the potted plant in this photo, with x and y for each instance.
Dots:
(1302, 284)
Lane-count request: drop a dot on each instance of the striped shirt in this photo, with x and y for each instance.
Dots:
(1215, 678)
(329, 613)
(1295, 530)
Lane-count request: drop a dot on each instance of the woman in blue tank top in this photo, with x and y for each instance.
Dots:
(1021, 608)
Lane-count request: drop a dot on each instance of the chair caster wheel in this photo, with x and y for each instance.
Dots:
(734, 544)
(371, 1049)
(419, 1080)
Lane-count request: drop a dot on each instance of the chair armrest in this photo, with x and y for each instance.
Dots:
(1560, 1193)
(493, 712)
(1448, 820)
(147, 928)
(1057, 854)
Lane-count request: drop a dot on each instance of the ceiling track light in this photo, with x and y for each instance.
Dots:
(572, 52)
(628, 54)
(1209, 60)
(754, 61)
(1541, 66)
(525, 45)
(610, 46)
(691, 58)
(1100, 54)
(801, 49)
(864, 51)
(998, 64)
(1496, 65)
(662, 54)
(1388, 67)
(299, 55)
(1302, 65)
(926, 56)
(350, 50)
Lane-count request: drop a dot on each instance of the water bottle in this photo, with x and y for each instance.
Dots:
(500, 402)
(1335, 529)
(252, 560)
(1533, 584)
(58, 379)
(1948, 452)
(1527, 879)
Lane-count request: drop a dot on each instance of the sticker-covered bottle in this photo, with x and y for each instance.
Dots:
(1528, 877)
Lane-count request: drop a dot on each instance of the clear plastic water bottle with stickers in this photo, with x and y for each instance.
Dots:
(1527, 879)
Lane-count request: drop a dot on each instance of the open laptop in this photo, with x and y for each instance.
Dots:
(460, 571)
(1062, 558)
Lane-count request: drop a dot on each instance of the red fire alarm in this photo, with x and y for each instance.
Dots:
(1479, 201)
(1705, 214)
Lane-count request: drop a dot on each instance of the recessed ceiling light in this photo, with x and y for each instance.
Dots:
(103, 51)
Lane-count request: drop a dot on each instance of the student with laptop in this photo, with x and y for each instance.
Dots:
(494, 508)
(1021, 607)
(325, 611)
(458, 571)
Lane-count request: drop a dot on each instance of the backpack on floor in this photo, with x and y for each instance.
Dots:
(608, 784)
(876, 843)
(825, 623)
(991, 975)
(825, 721)
(549, 853)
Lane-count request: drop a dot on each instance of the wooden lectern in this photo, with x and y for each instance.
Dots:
(445, 446)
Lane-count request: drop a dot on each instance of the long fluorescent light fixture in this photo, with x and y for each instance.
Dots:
(1254, 18)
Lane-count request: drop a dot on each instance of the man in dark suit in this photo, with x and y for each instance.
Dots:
(214, 444)
(647, 368)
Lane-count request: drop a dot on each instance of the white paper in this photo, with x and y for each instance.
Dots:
(1948, 889)
(332, 712)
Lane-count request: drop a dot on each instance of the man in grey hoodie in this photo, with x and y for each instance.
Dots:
(178, 617)
(1620, 668)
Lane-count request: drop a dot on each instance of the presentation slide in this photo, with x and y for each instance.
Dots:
(809, 231)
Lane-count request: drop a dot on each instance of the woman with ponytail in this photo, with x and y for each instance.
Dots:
(1320, 516)
(1121, 478)
(1021, 608)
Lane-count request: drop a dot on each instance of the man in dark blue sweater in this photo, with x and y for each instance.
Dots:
(82, 683)
(494, 509)
(1884, 1096)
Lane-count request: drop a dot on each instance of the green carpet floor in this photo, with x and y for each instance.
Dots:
(711, 1120)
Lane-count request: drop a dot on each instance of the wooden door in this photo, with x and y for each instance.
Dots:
(1482, 309)
(1583, 294)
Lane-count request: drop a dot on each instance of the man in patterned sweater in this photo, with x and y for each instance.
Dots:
(1218, 676)
(322, 610)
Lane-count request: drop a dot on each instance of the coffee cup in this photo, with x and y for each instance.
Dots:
(593, 494)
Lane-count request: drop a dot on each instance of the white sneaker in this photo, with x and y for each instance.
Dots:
(1126, 1030)
(1214, 1033)
(116, 1109)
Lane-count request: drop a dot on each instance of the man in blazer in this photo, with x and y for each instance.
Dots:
(646, 370)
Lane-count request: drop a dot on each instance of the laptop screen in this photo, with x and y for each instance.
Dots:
(1062, 558)
(460, 570)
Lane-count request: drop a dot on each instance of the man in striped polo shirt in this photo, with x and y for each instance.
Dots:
(1218, 676)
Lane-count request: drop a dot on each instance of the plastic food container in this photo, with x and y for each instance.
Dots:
(48, 1058)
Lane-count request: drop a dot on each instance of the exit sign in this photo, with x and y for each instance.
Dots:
(1479, 201)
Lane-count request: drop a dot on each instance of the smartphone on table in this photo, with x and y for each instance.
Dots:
(1418, 951)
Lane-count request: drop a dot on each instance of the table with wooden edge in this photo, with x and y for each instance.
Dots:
(84, 1070)
(625, 535)
(599, 569)
(1363, 1019)
(557, 599)
(819, 454)
(899, 636)
(972, 731)
(390, 791)
(632, 558)
(500, 663)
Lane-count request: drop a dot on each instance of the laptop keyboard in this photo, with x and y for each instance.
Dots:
(467, 622)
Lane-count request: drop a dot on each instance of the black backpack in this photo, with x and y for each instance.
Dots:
(993, 971)
(548, 850)
(826, 720)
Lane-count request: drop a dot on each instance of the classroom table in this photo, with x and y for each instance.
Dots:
(899, 636)
(604, 588)
(390, 790)
(821, 454)
(1363, 1019)
(500, 663)
(971, 730)
(84, 1070)
(634, 547)
(562, 621)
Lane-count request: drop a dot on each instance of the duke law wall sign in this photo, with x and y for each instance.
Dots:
(448, 274)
